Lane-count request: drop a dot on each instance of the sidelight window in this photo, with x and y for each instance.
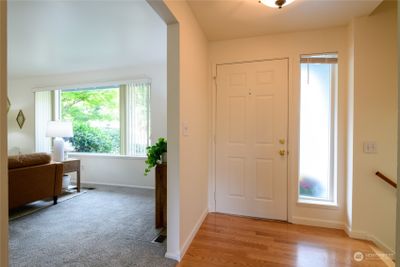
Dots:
(317, 181)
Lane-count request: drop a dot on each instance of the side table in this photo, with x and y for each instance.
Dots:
(161, 195)
(74, 165)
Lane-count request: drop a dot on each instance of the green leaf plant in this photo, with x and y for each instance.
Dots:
(154, 153)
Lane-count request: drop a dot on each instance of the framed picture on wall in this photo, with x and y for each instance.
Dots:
(20, 119)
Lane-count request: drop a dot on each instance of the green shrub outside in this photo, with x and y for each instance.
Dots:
(95, 140)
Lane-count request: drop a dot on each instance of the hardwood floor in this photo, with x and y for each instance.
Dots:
(225, 240)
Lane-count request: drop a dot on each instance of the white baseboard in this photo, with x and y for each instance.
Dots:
(365, 236)
(122, 185)
(190, 238)
(347, 229)
(351, 233)
(173, 256)
(382, 246)
(356, 234)
(317, 222)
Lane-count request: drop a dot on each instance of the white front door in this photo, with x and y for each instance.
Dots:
(251, 141)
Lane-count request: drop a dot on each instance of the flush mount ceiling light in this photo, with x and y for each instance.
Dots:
(276, 3)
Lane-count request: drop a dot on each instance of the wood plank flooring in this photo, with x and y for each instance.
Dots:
(225, 240)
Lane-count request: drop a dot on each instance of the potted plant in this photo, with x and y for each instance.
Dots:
(156, 154)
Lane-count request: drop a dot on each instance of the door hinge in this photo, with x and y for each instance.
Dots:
(215, 195)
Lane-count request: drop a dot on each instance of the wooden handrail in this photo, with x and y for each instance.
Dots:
(387, 180)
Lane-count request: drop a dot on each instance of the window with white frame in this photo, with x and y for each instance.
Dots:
(317, 161)
(112, 119)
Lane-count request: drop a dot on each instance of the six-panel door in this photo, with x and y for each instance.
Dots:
(251, 141)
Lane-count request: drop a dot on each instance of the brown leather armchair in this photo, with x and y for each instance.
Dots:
(31, 179)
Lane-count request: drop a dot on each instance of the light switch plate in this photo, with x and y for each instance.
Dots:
(370, 147)
(185, 128)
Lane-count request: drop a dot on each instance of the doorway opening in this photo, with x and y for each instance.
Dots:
(87, 52)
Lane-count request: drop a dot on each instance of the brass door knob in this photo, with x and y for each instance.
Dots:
(282, 152)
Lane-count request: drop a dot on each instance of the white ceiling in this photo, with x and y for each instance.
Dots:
(54, 37)
(230, 19)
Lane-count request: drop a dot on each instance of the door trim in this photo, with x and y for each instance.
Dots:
(213, 153)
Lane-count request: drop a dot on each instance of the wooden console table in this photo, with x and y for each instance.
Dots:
(161, 195)
(74, 165)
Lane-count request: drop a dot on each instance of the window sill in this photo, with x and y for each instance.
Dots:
(317, 204)
(105, 156)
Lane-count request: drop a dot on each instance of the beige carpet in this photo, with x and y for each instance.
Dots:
(42, 204)
(108, 226)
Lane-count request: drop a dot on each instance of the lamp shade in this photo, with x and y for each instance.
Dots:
(59, 129)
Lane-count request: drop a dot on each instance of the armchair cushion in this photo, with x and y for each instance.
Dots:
(26, 160)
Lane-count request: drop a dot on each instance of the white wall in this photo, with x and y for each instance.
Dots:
(173, 181)
(350, 130)
(292, 45)
(114, 170)
(3, 138)
(95, 169)
(194, 112)
(375, 119)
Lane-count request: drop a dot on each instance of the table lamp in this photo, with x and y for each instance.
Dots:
(58, 130)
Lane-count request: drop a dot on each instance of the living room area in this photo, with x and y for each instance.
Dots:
(87, 94)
